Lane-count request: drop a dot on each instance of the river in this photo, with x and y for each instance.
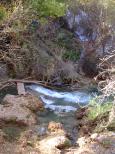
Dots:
(61, 100)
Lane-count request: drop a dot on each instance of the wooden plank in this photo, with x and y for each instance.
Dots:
(20, 88)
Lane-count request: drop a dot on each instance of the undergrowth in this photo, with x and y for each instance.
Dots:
(96, 109)
(3, 13)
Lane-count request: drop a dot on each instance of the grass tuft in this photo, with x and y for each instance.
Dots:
(96, 109)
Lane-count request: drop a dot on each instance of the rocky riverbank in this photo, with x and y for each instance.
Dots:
(21, 130)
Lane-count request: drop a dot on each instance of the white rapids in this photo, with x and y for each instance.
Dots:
(61, 101)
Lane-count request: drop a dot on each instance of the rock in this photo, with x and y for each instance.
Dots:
(3, 71)
(84, 130)
(29, 101)
(111, 123)
(53, 144)
(32, 135)
(80, 113)
(28, 137)
(41, 131)
(94, 136)
(19, 109)
(82, 141)
(55, 127)
(101, 144)
(2, 137)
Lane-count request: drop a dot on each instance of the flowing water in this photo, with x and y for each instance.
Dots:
(60, 106)
(61, 100)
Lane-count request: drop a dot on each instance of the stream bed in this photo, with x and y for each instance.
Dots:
(60, 106)
(61, 100)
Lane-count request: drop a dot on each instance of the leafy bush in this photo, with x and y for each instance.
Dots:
(71, 55)
(96, 109)
(2, 13)
(46, 8)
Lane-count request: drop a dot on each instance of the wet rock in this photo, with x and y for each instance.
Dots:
(80, 113)
(53, 144)
(111, 123)
(19, 109)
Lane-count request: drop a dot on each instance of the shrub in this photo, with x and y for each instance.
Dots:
(96, 109)
(71, 55)
(46, 8)
(2, 13)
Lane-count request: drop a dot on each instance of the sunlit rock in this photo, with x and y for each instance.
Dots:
(19, 109)
(55, 127)
(53, 144)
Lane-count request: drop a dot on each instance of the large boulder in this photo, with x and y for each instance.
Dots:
(29, 101)
(96, 144)
(19, 109)
(54, 144)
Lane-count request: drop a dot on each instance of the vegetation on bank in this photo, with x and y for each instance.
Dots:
(38, 46)
(37, 43)
(3, 13)
(96, 109)
(48, 8)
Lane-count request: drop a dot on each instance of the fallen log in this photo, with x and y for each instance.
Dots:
(9, 82)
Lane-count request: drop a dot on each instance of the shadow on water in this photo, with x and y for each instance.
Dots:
(8, 90)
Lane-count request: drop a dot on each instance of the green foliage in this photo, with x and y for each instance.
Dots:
(66, 41)
(46, 8)
(71, 55)
(96, 109)
(67, 143)
(111, 11)
(2, 13)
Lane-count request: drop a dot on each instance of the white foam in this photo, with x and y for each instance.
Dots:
(60, 108)
(47, 101)
(75, 97)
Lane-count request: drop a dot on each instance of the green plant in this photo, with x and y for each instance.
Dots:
(71, 55)
(2, 13)
(96, 109)
(46, 8)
